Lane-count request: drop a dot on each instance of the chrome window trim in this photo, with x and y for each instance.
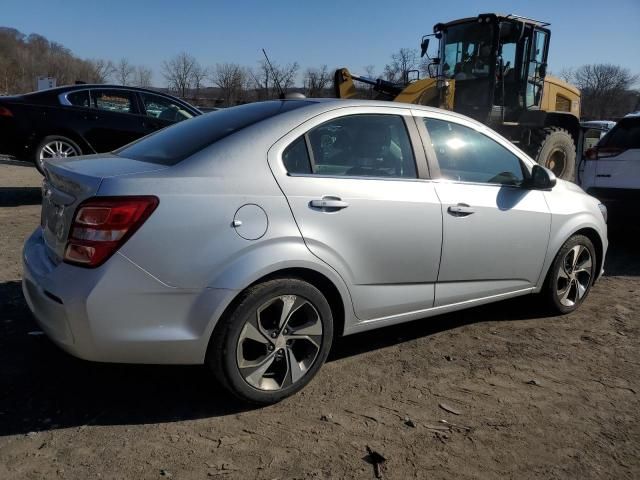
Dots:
(358, 177)
(62, 98)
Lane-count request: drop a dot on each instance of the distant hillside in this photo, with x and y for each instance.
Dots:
(25, 57)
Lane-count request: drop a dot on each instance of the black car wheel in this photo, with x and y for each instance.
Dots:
(52, 147)
(571, 275)
(273, 342)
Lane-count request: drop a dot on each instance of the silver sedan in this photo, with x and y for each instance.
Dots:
(249, 238)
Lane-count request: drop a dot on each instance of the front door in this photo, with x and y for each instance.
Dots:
(495, 233)
(351, 181)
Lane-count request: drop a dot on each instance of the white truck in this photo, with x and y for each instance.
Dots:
(610, 170)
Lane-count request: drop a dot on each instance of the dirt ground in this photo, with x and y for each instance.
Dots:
(533, 396)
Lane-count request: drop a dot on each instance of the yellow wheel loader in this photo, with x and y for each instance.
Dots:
(493, 68)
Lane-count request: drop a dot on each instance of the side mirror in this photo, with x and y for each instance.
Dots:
(591, 153)
(424, 45)
(541, 178)
(542, 70)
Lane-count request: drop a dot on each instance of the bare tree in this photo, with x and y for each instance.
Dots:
(178, 72)
(101, 70)
(198, 74)
(232, 80)
(403, 61)
(566, 74)
(605, 90)
(124, 72)
(316, 80)
(142, 76)
(370, 72)
(266, 79)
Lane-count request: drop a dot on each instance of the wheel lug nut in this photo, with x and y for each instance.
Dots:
(286, 331)
(289, 342)
(274, 334)
(271, 348)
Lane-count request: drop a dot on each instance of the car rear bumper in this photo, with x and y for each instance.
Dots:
(118, 312)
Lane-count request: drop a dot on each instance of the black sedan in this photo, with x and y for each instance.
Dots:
(83, 119)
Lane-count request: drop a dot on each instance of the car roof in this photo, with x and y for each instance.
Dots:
(331, 103)
(84, 86)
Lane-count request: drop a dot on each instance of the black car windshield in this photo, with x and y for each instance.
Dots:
(173, 144)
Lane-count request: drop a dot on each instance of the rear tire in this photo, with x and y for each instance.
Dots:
(553, 148)
(570, 276)
(54, 146)
(273, 342)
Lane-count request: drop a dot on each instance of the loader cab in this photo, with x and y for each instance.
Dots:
(498, 64)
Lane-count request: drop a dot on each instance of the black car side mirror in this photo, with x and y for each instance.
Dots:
(541, 178)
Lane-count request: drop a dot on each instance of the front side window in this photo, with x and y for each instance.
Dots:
(356, 146)
(113, 100)
(163, 108)
(467, 155)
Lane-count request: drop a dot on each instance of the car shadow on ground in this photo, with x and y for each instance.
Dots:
(43, 388)
(17, 196)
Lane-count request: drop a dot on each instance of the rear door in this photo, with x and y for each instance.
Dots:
(351, 179)
(618, 157)
(114, 121)
(495, 233)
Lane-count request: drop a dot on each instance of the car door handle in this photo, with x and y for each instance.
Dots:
(460, 210)
(329, 203)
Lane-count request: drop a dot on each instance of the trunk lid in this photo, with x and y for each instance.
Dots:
(68, 183)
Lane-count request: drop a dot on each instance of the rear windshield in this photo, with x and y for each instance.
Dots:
(625, 135)
(173, 144)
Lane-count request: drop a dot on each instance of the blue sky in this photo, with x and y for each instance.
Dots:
(336, 33)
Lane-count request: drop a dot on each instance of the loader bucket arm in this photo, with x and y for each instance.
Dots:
(343, 84)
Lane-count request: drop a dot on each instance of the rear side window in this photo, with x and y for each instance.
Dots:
(177, 142)
(467, 155)
(113, 100)
(625, 135)
(355, 146)
(296, 157)
(79, 99)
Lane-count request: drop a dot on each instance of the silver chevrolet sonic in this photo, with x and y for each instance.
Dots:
(249, 238)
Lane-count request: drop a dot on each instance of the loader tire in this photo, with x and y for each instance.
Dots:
(553, 147)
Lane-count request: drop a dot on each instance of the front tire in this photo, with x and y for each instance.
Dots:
(571, 275)
(273, 342)
(54, 146)
(554, 149)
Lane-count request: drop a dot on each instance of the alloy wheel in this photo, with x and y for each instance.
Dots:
(57, 149)
(279, 343)
(574, 276)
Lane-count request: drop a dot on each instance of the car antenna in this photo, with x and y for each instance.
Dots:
(281, 94)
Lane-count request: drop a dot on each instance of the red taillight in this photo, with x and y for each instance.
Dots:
(101, 225)
(605, 152)
(5, 112)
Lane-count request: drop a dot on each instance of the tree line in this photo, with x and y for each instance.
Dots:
(607, 90)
